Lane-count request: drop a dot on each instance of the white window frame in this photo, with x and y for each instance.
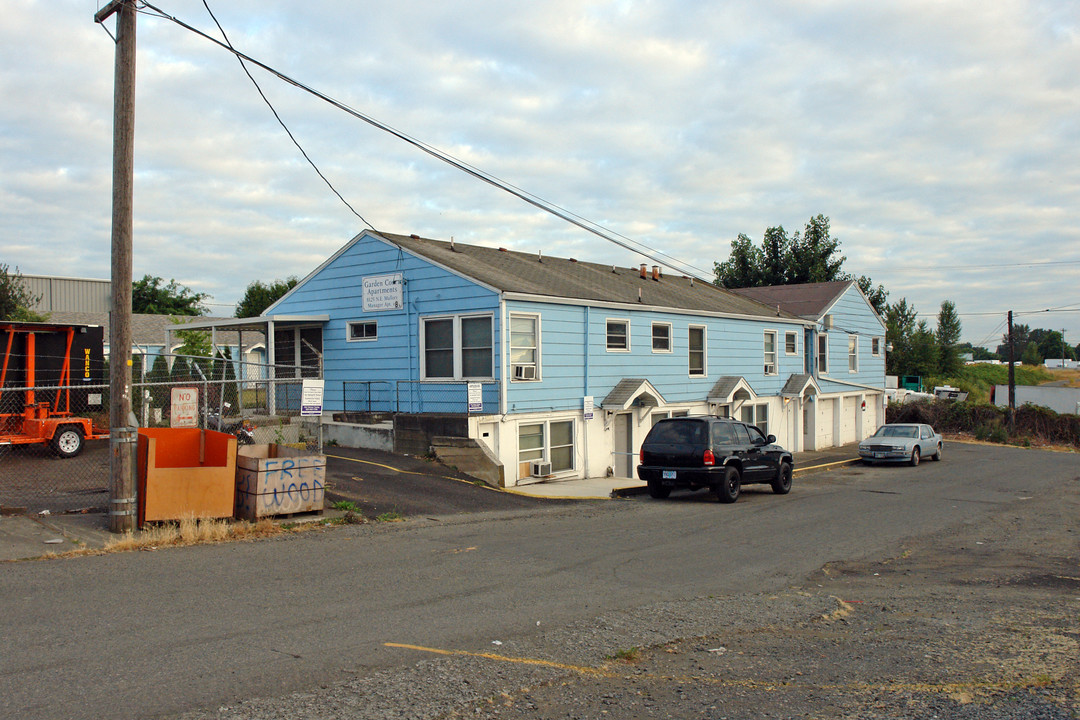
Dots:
(759, 413)
(457, 347)
(535, 317)
(853, 354)
(607, 336)
(349, 330)
(791, 334)
(704, 351)
(820, 355)
(875, 346)
(766, 353)
(546, 447)
(670, 342)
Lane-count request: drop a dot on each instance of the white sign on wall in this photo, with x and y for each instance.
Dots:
(383, 292)
(311, 398)
(588, 407)
(184, 408)
(476, 397)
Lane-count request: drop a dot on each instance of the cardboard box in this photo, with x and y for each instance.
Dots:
(278, 480)
(185, 472)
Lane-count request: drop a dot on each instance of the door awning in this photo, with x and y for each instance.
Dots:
(631, 392)
(730, 388)
(800, 385)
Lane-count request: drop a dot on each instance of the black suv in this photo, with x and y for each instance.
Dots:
(711, 452)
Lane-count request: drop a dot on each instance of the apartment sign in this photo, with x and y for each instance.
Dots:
(383, 292)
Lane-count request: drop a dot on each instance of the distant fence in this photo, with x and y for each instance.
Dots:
(412, 396)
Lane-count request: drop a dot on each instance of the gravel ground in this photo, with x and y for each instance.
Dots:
(981, 623)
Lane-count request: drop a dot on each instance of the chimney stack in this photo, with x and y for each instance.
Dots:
(644, 270)
(655, 272)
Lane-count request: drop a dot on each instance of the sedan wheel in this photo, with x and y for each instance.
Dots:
(937, 455)
(915, 457)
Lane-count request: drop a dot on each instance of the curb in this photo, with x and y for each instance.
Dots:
(812, 469)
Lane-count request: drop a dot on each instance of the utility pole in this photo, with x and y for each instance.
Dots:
(122, 434)
(1012, 378)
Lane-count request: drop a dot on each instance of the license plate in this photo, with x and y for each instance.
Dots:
(668, 474)
(880, 454)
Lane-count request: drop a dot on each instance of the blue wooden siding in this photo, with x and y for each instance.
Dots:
(575, 364)
(853, 316)
(337, 290)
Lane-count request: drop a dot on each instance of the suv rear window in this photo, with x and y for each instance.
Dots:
(679, 432)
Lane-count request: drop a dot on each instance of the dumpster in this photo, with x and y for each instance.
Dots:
(278, 480)
(185, 472)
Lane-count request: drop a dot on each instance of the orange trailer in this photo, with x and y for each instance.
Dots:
(45, 353)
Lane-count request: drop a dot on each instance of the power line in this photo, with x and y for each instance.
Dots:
(528, 197)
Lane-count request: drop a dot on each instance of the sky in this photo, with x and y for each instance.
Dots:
(942, 139)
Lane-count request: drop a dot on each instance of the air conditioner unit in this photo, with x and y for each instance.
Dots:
(524, 372)
(540, 468)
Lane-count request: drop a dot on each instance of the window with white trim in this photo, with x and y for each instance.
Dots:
(456, 347)
(661, 337)
(618, 335)
(875, 346)
(551, 441)
(771, 367)
(361, 331)
(853, 353)
(823, 353)
(524, 347)
(757, 415)
(696, 359)
(791, 343)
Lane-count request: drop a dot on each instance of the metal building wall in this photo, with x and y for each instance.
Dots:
(69, 294)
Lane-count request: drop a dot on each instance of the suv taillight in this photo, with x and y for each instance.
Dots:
(709, 459)
(641, 456)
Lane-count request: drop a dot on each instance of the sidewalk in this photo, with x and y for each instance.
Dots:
(24, 537)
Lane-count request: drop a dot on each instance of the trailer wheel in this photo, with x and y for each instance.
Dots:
(68, 441)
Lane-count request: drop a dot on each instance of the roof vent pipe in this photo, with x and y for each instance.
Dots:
(644, 269)
(539, 256)
(639, 293)
(452, 244)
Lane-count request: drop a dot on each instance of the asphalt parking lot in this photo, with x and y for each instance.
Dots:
(380, 482)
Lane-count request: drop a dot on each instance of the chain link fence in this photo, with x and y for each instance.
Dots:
(54, 439)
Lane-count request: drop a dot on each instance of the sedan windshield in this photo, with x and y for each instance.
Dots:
(897, 431)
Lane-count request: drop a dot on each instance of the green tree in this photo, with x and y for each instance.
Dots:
(925, 353)
(878, 296)
(813, 255)
(978, 352)
(809, 256)
(1021, 335)
(900, 319)
(260, 296)
(947, 336)
(153, 296)
(16, 298)
(1051, 344)
(1031, 355)
(743, 266)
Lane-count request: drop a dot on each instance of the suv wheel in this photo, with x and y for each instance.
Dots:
(781, 484)
(727, 490)
(657, 490)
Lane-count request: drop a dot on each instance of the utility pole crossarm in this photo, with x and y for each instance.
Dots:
(103, 14)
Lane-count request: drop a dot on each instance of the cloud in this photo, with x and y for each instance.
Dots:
(936, 136)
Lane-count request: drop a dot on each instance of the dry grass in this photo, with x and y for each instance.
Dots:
(192, 531)
(1072, 377)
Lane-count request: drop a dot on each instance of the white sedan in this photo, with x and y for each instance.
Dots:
(901, 442)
